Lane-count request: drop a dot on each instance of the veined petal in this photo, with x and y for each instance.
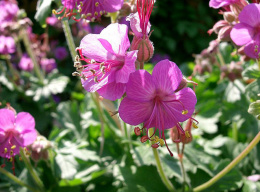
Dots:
(134, 112)
(93, 49)
(116, 35)
(250, 15)
(112, 91)
(7, 119)
(241, 34)
(185, 99)
(220, 3)
(122, 75)
(91, 86)
(140, 86)
(25, 125)
(112, 5)
(166, 76)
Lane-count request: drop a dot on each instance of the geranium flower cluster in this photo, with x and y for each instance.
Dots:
(16, 131)
(159, 100)
(240, 25)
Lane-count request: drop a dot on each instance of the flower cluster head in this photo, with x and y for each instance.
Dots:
(140, 25)
(16, 130)
(88, 9)
(48, 64)
(9, 11)
(157, 101)
(108, 63)
(247, 32)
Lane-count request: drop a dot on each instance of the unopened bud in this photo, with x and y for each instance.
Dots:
(224, 33)
(145, 49)
(229, 16)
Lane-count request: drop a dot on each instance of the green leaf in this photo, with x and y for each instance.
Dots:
(234, 91)
(230, 181)
(54, 84)
(43, 11)
(253, 89)
(67, 165)
(251, 72)
(254, 109)
(250, 186)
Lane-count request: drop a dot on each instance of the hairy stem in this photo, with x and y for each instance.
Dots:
(69, 38)
(31, 170)
(32, 55)
(16, 179)
(164, 178)
(230, 166)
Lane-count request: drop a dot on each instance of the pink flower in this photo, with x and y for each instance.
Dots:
(153, 100)
(90, 9)
(221, 3)
(48, 64)
(247, 32)
(26, 63)
(108, 62)
(7, 45)
(15, 131)
(94, 9)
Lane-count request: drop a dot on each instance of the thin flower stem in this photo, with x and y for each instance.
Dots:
(69, 38)
(16, 179)
(31, 53)
(221, 59)
(101, 117)
(33, 173)
(165, 180)
(230, 166)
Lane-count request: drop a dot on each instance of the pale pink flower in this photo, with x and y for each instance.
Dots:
(155, 100)
(108, 62)
(247, 32)
(26, 63)
(15, 131)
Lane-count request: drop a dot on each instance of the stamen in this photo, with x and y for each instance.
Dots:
(184, 112)
(194, 125)
(187, 134)
(155, 145)
(144, 138)
(137, 131)
(5, 150)
(13, 147)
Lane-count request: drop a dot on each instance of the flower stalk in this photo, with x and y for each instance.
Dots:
(16, 180)
(33, 173)
(164, 178)
(230, 166)
(30, 52)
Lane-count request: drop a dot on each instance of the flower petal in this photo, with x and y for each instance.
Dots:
(91, 86)
(185, 99)
(250, 50)
(116, 35)
(25, 125)
(112, 91)
(7, 119)
(140, 86)
(241, 34)
(166, 76)
(134, 112)
(93, 49)
(250, 15)
(112, 5)
(220, 3)
(122, 75)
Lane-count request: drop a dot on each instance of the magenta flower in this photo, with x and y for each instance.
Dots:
(26, 63)
(48, 64)
(221, 3)
(90, 9)
(9, 10)
(153, 100)
(94, 9)
(61, 53)
(15, 131)
(7, 45)
(247, 32)
(108, 62)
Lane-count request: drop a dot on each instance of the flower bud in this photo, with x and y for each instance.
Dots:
(224, 33)
(229, 16)
(145, 49)
(125, 10)
(236, 8)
